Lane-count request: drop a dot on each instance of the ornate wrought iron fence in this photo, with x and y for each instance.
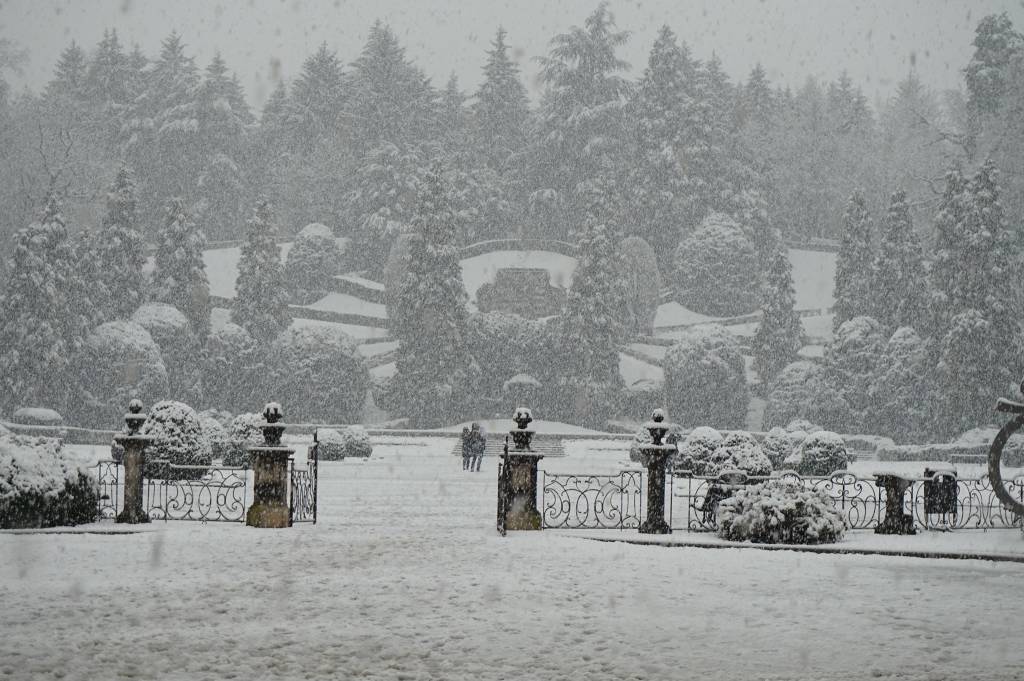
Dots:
(574, 501)
(861, 500)
(302, 498)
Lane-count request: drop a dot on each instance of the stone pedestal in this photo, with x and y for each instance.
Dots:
(134, 460)
(270, 467)
(895, 521)
(521, 510)
(270, 487)
(655, 458)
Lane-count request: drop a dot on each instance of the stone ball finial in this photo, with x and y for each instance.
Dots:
(135, 406)
(272, 412)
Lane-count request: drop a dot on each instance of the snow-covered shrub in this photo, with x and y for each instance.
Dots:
(802, 426)
(802, 391)
(586, 403)
(642, 436)
(641, 397)
(352, 441)
(852, 365)
(520, 389)
(243, 432)
(642, 281)
(119, 362)
(696, 450)
(705, 379)
(717, 271)
(313, 259)
(39, 487)
(179, 441)
(179, 347)
(822, 453)
(318, 375)
(777, 445)
(738, 451)
(234, 373)
(395, 268)
(1013, 450)
(779, 512)
(505, 345)
(37, 416)
(216, 434)
(898, 405)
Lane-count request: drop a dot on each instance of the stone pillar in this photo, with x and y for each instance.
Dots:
(895, 521)
(270, 468)
(655, 458)
(521, 470)
(134, 460)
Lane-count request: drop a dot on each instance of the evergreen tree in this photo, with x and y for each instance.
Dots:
(779, 336)
(854, 263)
(581, 128)
(43, 315)
(434, 368)
(946, 269)
(899, 286)
(996, 45)
(501, 110)
(108, 78)
(261, 301)
(179, 274)
(69, 74)
(663, 192)
(592, 317)
(316, 98)
(119, 250)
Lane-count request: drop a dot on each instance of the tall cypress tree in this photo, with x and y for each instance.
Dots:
(854, 263)
(899, 287)
(119, 250)
(43, 320)
(779, 335)
(261, 302)
(946, 268)
(435, 370)
(179, 273)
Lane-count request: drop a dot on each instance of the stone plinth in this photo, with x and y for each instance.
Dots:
(655, 458)
(134, 460)
(521, 512)
(270, 467)
(895, 521)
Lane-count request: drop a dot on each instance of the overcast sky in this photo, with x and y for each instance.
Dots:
(875, 41)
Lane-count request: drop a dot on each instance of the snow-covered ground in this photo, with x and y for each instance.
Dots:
(343, 302)
(480, 269)
(404, 577)
(814, 276)
(633, 370)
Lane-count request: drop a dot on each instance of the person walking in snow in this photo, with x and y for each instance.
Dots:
(466, 450)
(478, 442)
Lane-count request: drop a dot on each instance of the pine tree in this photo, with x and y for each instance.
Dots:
(779, 336)
(316, 98)
(899, 286)
(69, 75)
(996, 45)
(946, 269)
(119, 250)
(43, 315)
(261, 301)
(501, 110)
(854, 263)
(434, 368)
(179, 273)
(662, 191)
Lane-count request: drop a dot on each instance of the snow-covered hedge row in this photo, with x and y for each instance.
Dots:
(705, 451)
(39, 487)
(335, 445)
(802, 391)
(779, 512)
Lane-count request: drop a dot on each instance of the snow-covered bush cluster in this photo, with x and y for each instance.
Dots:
(821, 453)
(705, 451)
(803, 391)
(235, 376)
(243, 432)
(349, 442)
(179, 347)
(179, 440)
(214, 424)
(705, 379)
(717, 271)
(779, 512)
(39, 487)
(314, 258)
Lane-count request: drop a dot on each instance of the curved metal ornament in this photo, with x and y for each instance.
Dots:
(995, 456)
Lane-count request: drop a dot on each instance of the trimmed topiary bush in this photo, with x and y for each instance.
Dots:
(334, 445)
(777, 445)
(777, 512)
(234, 371)
(822, 453)
(216, 434)
(179, 347)
(642, 285)
(39, 487)
(179, 441)
(243, 432)
(803, 391)
(706, 380)
(739, 451)
(717, 271)
(313, 259)
(697, 448)
(318, 375)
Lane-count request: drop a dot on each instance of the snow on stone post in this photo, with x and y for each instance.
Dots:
(896, 520)
(134, 459)
(270, 466)
(655, 457)
(519, 484)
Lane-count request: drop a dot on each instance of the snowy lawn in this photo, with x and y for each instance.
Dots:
(342, 302)
(674, 314)
(480, 269)
(632, 370)
(405, 578)
(355, 330)
(814, 277)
